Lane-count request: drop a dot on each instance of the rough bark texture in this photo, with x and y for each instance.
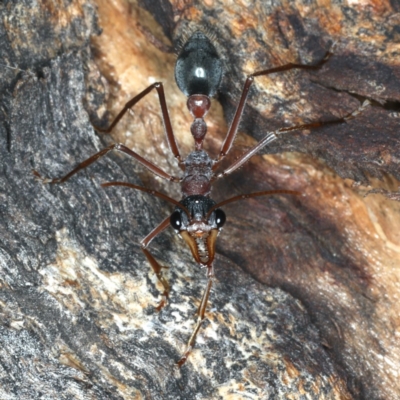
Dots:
(77, 296)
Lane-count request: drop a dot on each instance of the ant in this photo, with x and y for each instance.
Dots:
(197, 218)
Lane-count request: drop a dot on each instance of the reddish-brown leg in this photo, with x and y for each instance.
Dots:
(157, 268)
(147, 190)
(120, 147)
(230, 136)
(271, 136)
(200, 317)
(167, 122)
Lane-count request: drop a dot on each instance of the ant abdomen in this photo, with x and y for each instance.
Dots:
(198, 69)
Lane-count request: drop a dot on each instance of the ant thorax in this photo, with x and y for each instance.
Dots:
(198, 174)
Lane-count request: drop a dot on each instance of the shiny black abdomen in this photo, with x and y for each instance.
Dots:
(198, 69)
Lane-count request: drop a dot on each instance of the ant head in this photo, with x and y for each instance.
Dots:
(199, 228)
(198, 69)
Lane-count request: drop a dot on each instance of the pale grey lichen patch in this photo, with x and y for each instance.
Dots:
(76, 280)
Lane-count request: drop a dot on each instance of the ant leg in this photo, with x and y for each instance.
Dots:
(157, 268)
(271, 136)
(150, 191)
(230, 136)
(166, 120)
(117, 146)
(200, 317)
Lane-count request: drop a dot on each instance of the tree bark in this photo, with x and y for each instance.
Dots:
(305, 300)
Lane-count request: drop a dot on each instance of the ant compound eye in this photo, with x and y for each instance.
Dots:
(176, 220)
(220, 218)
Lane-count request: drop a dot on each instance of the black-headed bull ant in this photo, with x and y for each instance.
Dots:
(197, 218)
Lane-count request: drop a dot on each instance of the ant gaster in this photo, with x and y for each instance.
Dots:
(197, 218)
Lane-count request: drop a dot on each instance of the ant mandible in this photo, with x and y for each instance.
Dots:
(197, 218)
